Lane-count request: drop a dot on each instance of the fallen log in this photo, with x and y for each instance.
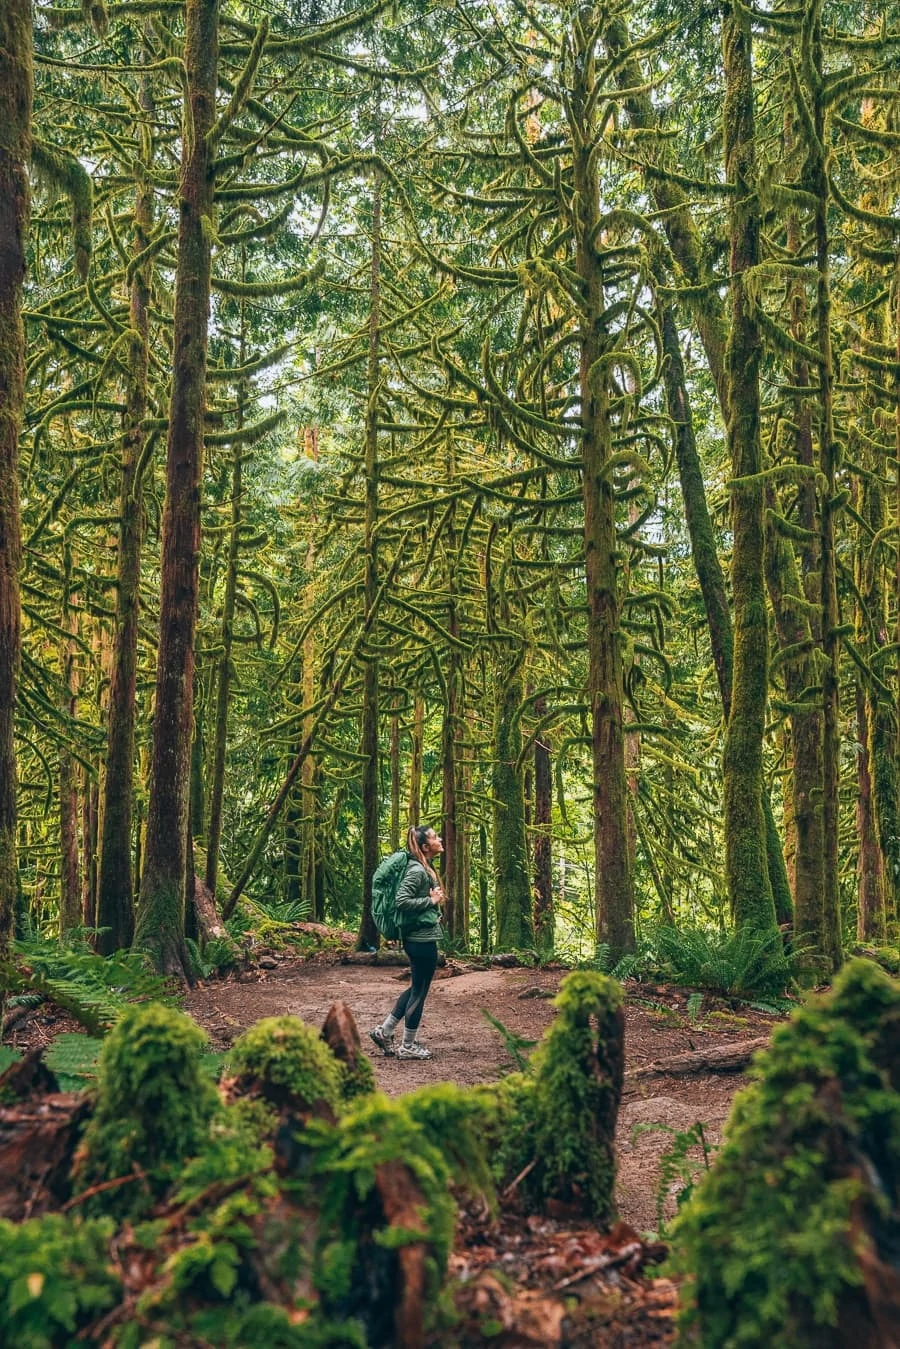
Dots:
(718, 1059)
(39, 1131)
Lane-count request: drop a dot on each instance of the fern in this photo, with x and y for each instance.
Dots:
(516, 1047)
(92, 989)
(8, 1057)
(694, 1007)
(676, 1167)
(743, 964)
(73, 1061)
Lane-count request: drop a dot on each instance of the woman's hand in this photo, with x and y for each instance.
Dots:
(437, 896)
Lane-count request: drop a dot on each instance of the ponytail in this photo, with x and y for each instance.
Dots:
(415, 840)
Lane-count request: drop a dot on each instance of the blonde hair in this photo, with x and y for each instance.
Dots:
(415, 840)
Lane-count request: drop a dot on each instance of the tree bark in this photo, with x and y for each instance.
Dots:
(512, 887)
(613, 886)
(16, 94)
(368, 932)
(115, 887)
(746, 864)
(544, 917)
(160, 921)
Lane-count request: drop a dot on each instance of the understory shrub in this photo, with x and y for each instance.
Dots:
(744, 964)
(788, 1240)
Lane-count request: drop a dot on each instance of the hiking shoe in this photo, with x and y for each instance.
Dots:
(384, 1042)
(413, 1051)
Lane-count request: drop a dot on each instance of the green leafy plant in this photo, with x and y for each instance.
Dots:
(55, 1278)
(744, 964)
(677, 1168)
(94, 990)
(517, 1047)
(73, 1061)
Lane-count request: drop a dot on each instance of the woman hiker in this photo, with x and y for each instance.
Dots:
(418, 900)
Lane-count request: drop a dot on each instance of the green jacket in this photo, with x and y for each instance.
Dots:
(419, 918)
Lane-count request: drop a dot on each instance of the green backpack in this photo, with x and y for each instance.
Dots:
(385, 884)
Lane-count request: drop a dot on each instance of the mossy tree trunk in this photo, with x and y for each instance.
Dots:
(817, 183)
(417, 746)
(870, 912)
(614, 899)
(746, 864)
(451, 736)
(70, 914)
(160, 919)
(115, 888)
(368, 933)
(16, 94)
(793, 629)
(512, 882)
(544, 917)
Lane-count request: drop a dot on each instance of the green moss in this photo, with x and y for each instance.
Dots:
(774, 1234)
(154, 1105)
(376, 1132)
(289, 1061)
(357, 1079)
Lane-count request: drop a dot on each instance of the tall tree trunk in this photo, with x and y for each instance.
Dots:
(395, 782)
(746, 864)
(417, 746)
(512, 882)
(793, 628)
(544, 917)
(870, 862)
(160, 920)
(115, 891)
(90, 803)
(16, 92)
(816, 182)
(613, 891)
(69, 881)
(451, 736)
(225, 670)
(368, 933)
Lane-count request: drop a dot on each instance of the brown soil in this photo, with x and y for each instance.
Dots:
(468, 1050)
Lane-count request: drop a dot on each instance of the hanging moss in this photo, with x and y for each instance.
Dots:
(154, 1104)
(802, 1199)
(287, 1062)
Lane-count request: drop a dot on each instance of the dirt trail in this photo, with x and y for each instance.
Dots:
(468, 1050)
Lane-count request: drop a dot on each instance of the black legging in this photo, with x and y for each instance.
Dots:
(423, 959)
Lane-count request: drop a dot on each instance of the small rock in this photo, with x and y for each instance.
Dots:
(535, 991)
(505, 959)
(268, 963)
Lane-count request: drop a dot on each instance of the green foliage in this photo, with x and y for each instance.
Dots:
(154, 1105)
(55, 1277)
(73, 1061)
(375, 1132)
(8, 1057)
(357, 1079)
(676, 1165)
(516, 1046)
(463, 1122)
(289, 1061)
(743, 964)
(774, 1235)
(93, 989)
(219, 954)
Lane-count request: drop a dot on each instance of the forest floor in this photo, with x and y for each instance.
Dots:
(510, 1269)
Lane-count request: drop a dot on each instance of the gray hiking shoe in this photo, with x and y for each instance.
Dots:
(413, 1051)
(384, 1042)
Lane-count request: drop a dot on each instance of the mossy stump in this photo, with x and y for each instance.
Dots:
(791, 1239)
